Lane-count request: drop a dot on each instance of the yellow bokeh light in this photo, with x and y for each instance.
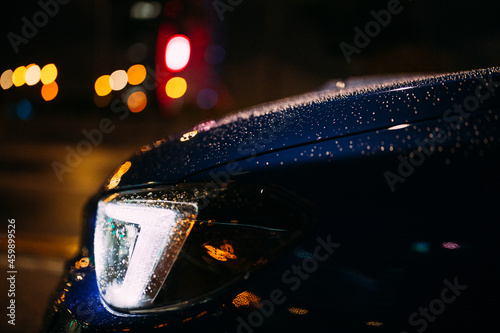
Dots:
(176, 87)
(118, 80)
(136, 74)
(137, 101)
(19, 75)
(6, 79)
(48, 74)
(50, 91)
(32, 74)
(103, 85)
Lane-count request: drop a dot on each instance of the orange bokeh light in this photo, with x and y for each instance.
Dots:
(136, 74)
(137, 101)
(50, 91)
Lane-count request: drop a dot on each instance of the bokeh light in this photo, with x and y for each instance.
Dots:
(103, 85)
(24, 109)
(32, 74)
(176, 87)
(48, 73)
(6, 79)
(118, 80)
(137, 101)
(50, 91)
(421, 247)
(19, 76)
(206, 98)
(177, 53)
(143, 10)
(136, 74)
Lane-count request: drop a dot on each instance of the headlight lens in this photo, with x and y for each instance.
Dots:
(145, 260)
(136, 244)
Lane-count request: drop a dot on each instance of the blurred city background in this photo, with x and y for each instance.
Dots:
(154, 68)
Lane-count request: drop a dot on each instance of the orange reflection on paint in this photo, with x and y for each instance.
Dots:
(201, 314)
(246, 298)
(145, 148)
(111, 197)
(117, 177)
(298, 311)
(137, 101)
(50, 91)
(225, 252)
(82, 263)
(374, 323)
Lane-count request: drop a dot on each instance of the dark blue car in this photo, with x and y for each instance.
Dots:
(371, 206)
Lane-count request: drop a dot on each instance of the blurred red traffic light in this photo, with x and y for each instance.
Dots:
(177, 53)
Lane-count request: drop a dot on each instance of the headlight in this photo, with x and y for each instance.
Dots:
(168, 247)
(136, 244)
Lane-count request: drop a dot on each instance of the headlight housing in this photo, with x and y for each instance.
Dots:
(164, 248)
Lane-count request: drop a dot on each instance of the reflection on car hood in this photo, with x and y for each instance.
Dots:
(313, 117)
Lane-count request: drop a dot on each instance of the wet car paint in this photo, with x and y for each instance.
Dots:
(406, 232)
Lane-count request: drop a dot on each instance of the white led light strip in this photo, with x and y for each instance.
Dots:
(164, 227)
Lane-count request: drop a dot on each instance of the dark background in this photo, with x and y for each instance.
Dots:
(274, 49)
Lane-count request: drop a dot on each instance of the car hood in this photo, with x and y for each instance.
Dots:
(322, 115)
